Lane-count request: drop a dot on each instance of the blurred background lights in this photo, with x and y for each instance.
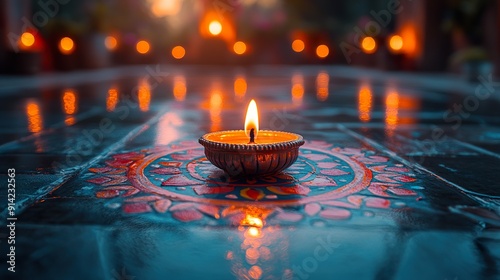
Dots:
(322, 51)
(178, 52)
(240, 47)
(161, 8)
(111, 43)
(215, 27)
(26, 40)
(142, 47)
(66, 45)
(395, 43)
(368, 45)
(298, 45)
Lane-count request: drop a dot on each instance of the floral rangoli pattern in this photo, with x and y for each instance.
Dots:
(326, 183)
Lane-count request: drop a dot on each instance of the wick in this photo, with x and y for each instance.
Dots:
(252, 136)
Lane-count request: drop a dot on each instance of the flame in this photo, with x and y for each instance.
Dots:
(252, 119)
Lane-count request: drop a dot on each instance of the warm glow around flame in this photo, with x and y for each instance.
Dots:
(215, 27)
(252, 119)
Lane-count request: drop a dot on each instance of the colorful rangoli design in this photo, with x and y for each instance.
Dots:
(326, 182)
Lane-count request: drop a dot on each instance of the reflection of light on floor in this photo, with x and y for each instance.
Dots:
(409, 105)
(365, 103)
(240, 88)
(112, 99)
(322, 82)
(215, 110)
(168, 128)
(70, 106)
(297, 89)
(391, 111)
(35, 122)
(144, 95)
(180, 88)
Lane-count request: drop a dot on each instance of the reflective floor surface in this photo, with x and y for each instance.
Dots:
(398, 178)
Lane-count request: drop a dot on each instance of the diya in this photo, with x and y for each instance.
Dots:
(251, 152)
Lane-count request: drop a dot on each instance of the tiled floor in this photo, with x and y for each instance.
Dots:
(398, 178)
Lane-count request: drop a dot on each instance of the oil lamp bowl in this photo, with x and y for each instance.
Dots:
(273, 152)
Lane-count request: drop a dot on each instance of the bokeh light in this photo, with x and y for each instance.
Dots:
(395, 43)
(111, 43)
(322, 51)
(215, 27)
(142, 47)
(66, 45)
(178, 52)
(240, 47)
(26, 40)
(298, 45)
(368, 45)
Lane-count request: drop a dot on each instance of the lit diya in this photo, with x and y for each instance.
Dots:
(252, 151)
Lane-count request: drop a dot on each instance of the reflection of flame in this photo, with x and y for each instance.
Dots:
(112, 99)
(215, 110)
(240, 87)
(322, 81)
(144, 95)
(180, 88)
(297, 89)
(392, 110)
(35, 122)
(365, 103)
(70, 106)
(252, 119)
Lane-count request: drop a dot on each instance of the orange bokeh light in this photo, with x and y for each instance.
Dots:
(26, 41)
(240, 47)
(178, 52)
(322, 51)
(66, 45)
(142, 47)
(215, 27)
(368, 45)
(298, 45)
(396, 43)
(111, 43)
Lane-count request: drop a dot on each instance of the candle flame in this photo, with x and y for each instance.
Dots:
(252, 119)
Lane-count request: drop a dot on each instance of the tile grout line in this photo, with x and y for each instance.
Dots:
(382, 148)
(72, 172)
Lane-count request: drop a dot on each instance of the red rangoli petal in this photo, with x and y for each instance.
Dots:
(136, 208)
(107, 193)
(187, 215)
(312, 209)
(203, 190)
(162, 205)
(377, 202)
(166, 171)
(179, 180)
(401, 191)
